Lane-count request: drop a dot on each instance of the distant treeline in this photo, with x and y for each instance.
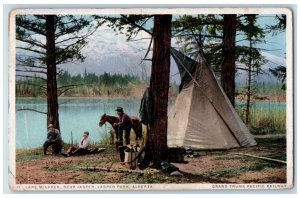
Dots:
(108, 79)
(83, 85)
(124, 85)
(88, 85)
(262, 91)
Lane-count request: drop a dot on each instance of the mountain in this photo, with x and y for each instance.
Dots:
(265, 76)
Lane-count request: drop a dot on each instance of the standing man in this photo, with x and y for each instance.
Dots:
(124, 124)
(54, 139)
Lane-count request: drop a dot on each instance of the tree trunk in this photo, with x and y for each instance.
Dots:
(249, 82)
(156, 146)
(228, 53)
(52, 98)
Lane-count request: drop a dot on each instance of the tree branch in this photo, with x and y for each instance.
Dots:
(63, 91)
(147, 59)
(140, 39)
(31, 28)
(33, 66)
(28, 71)
(32, 50)
(32, 43)
(245, 69)
(209, 36)
(78, 37)
(25, 76)
(136, 25)
(28, 109)
(148, 50)
(65, 86)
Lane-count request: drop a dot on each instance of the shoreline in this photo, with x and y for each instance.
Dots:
(79, 97)
(132, 98)
(94, 144)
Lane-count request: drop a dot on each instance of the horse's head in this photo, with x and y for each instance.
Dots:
(103, 119)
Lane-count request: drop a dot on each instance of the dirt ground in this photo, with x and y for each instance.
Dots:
(210, 167)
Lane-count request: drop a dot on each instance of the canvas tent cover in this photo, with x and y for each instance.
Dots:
(202, 116)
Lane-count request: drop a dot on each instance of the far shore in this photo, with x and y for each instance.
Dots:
(82, 97)
(272, 99)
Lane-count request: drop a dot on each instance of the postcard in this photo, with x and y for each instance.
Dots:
(150, 99)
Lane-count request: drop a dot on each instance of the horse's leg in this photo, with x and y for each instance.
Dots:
(112, 136)
(116, 132)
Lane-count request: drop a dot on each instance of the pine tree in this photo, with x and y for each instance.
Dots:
(228, 56)
(250, 56)
(45, 41)
(130, 25)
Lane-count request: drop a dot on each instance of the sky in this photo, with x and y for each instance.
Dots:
(109, 52)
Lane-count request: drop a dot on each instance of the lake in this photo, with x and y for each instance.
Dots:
(77, 116)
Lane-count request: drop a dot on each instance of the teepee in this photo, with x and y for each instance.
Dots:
(202, 116)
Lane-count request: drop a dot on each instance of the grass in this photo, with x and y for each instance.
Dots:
(266, 120)
(28, 155)
(257, 165)
(271, 142)
(23, 155)
(234, 172)
(106, 139)
(275, 149)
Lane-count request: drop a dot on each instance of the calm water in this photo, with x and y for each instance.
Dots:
(268, 105)
(77, 115)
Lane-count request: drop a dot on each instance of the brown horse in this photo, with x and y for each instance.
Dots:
(136, 125)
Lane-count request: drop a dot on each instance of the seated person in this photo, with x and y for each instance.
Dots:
(81, 148)
(54, 139)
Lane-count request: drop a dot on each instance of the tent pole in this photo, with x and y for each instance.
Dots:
(258, 157)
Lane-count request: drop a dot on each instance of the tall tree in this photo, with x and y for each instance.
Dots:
(130, 25)
(250, 56)
(228, 56)
(44, 41)
(52, 99)
(280, 71)
(215, 34)
(156, 147)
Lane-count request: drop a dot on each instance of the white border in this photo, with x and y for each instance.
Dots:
(193, 186)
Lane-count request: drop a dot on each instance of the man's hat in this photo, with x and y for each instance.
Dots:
(50, 125)
(119, 109)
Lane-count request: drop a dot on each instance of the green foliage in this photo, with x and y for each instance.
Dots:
(263, 91)
(28, 155)
(265, 120)
(70, 39)
(129, 25)
(279, 27)
(200, 32)
(88, 84)
(33, 87)
(253, 34)
(280, 73)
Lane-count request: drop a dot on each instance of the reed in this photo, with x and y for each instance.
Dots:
(265, 120)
